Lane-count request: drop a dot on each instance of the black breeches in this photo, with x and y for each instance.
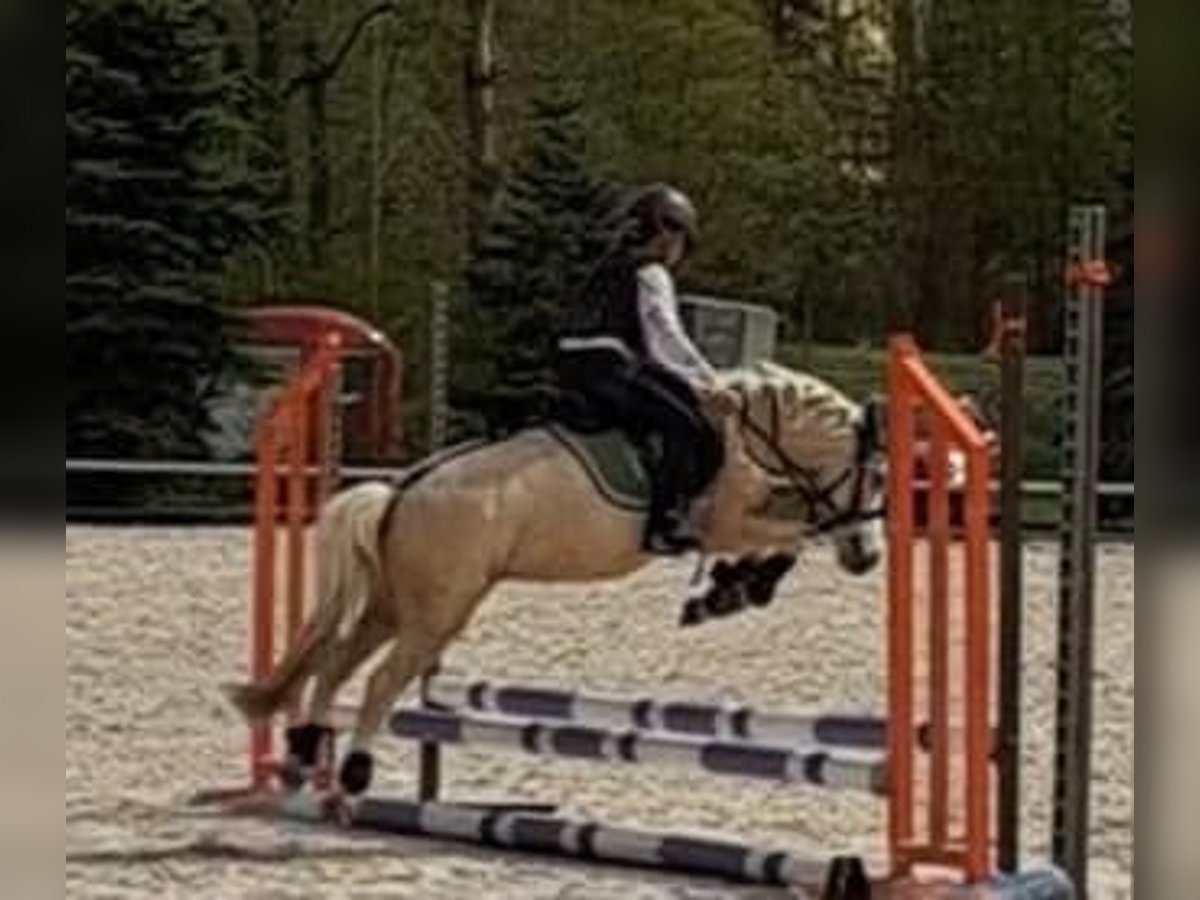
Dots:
(647, 401)
(664, 405)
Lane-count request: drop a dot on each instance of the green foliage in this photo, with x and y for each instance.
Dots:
(845, 179)
(157, 198)
(542, 237)
(1014, 112)
(861, 373)
(850, 175)
(692, 92)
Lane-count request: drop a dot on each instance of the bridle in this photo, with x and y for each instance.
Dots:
(825, 516)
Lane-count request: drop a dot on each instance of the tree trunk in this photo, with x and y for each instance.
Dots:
(378, 137)
(779, 20)
(269, 72)
(321, 67)
(319, 176)
(483, 153)
(316, 113)
(906, 157)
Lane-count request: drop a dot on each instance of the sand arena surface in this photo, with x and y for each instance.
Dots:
(156, 620)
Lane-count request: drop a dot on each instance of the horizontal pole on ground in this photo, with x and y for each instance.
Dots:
(562, 837)
(822, 766)
(515, 831)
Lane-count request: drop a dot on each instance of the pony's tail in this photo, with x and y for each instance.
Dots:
(349, 572)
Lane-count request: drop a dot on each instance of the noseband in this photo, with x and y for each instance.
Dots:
(825, 514)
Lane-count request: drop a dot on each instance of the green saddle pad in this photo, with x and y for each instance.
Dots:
(613, 463)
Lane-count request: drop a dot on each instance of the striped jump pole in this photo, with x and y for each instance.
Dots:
(842, 878)
(589, 841)
(825, 767)
(727, 723)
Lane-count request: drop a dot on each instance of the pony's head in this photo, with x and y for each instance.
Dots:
(825, 455)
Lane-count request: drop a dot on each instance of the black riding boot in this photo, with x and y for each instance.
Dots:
(669, 531)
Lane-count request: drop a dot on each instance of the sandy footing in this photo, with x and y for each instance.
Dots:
(156, 620)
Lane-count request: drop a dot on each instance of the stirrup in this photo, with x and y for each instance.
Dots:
(676, 542)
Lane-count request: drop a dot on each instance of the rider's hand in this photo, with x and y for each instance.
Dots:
(721, 400)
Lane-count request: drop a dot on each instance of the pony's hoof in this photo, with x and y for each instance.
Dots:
(693, 614)
(307, 744)
(725, 601)
(761, 593)
(338, 810)
(764, 582)
(357, 772)
(292, 775)
(725, 573)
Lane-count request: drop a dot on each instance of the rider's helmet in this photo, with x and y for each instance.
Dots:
(660, 207)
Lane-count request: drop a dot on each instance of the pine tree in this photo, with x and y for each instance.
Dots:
(543, 235)
(158, 198)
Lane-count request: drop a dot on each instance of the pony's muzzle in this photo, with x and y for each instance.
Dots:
(858, 555)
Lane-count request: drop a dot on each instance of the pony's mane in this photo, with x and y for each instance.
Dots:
(815, 400)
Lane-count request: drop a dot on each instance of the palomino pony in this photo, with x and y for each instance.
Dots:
(410, 564)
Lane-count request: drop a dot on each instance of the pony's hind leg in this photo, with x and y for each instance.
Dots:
(420, 643)
(343, 661)
(311, 744)
(411, 655)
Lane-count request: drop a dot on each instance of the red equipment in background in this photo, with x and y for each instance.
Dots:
(289, 337)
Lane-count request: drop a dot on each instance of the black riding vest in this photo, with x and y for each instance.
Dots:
(608, 306)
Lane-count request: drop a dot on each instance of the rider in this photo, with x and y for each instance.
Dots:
(627, 353)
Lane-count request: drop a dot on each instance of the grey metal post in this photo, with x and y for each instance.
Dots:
(430, 754)
(1013, 324)
(1081, 457)
(439, 366)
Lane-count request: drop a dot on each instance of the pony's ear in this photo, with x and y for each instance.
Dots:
(790, 398)
(875, 421)
(770, 370)
(873, 427)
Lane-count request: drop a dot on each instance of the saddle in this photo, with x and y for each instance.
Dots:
(621, 463)
(621, 469)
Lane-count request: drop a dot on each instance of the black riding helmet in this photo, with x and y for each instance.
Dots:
(659, 207)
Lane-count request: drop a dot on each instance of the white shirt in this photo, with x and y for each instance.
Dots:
(667, 342)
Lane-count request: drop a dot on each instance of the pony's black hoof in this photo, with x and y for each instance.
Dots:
(848, 880)
(306, 744)
(693, 614)
(764, 582)
(307, 747)
(726, 574)
(776, 567)
(292, 775)
(724, 602)
(357, 772)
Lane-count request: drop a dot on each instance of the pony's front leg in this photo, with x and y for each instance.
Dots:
(740, 486)
(770, 554)
(758, 552)
(734, 585)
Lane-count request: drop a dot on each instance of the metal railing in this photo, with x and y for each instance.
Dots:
(201, 469)
(247, 470)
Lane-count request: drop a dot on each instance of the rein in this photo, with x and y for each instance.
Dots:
(806, 482)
